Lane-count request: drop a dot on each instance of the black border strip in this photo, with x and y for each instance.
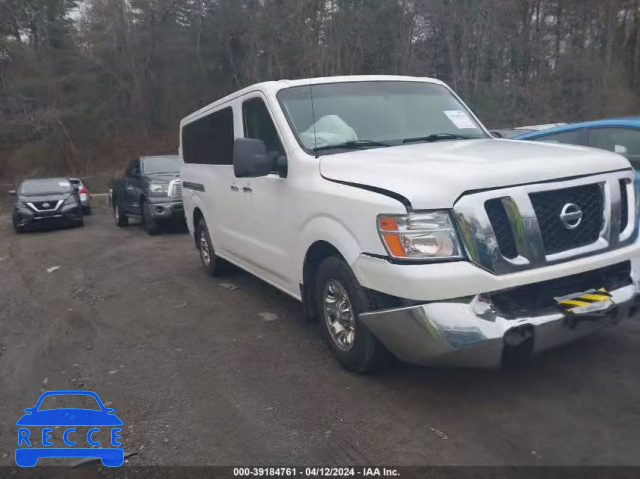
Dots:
(375, 189)
(193, 186)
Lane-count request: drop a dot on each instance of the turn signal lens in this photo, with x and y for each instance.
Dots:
(420, 236)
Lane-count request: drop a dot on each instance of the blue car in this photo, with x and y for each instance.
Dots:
(27, 456)
(621, 135)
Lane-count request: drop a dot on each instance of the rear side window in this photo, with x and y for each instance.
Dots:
(209, 140)
(569, 138)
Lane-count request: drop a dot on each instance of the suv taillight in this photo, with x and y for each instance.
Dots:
(84, 190)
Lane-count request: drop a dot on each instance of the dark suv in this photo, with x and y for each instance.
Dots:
(150, 190)
(44, 202)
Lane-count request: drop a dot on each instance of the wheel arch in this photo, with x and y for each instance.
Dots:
(315, 254)
(196, 217)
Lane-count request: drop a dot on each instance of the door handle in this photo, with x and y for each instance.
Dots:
(246, 189)
(234, 188)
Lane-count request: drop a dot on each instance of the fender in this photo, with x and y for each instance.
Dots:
(331, 230)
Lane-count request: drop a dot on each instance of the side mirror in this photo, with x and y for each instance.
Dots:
(251, 159)
(282, 166)
(12, 192)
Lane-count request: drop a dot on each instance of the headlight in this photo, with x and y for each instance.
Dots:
(420, 236)
(70, 201)
(159, 188)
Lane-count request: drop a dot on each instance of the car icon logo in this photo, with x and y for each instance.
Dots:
(45, 205)
(72, 419)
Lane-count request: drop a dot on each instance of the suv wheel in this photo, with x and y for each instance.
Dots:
(18, 229)
(119, 215)
(340, 299)
(213, 265)
(150, 225)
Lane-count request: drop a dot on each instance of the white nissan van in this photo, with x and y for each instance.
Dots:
(385, 206)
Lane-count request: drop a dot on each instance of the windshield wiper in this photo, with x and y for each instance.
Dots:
(350, 145)
(438, 137)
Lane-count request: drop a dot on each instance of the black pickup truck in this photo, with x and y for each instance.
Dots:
(150, 191)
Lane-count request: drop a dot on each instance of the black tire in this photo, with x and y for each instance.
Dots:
(87, 210)
(119, 215)
(80, 223)
(213, 265)
(17, 228)
(148, 223)
(366, 353)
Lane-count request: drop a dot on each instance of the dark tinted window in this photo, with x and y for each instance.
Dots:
(44, 186)
(568, 137)
(258, 124)
(625, 141)
(209, 140)
(134, 168)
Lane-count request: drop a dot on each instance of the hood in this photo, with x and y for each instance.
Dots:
(51, 197)
(434, 175)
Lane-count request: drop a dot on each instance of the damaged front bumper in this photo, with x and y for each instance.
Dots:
(479, 331)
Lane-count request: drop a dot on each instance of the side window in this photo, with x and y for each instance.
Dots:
(258, 124)
(209, 140)
(568, 137)
(134, 168)
(625, 141)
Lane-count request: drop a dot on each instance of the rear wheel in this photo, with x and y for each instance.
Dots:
(148, 223)
(340, 299)
(119, 215)
(213, 265)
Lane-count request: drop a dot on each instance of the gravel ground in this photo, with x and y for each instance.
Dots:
(205, 374)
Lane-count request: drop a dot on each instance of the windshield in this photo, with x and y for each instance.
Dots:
(376, 112)
(161, 165)
(66, 401)
(45, 186)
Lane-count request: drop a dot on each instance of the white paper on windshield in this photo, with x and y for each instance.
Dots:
(460, 119)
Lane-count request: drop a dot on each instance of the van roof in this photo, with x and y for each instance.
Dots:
(273, 87)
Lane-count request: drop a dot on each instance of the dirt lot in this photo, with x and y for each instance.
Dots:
(202, 374)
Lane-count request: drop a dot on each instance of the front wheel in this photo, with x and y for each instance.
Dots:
(150, 225)
(17, 228)
(119, 215)
(340, 299)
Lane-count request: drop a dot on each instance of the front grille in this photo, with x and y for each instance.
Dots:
(501, 227)
(555, 235)
(624, 206)
(45, 205)
(538, 296)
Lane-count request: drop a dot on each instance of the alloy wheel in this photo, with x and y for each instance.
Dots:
(339, 315)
